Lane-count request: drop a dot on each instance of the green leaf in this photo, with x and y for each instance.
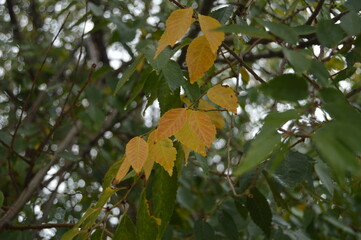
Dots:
(151, 87)
(282, 31)
(126, 229)
(247, 30)
(344, 74)
(163, 58)
(128, 73)
(223, 14)
(351, 23)
(293, 170)
(353, 5)
(328, 33)
(164, 192)
(298, 60)
(1, 199)
(137, 89)
(88, 219)
(241, 207)
(167, 99)
(323, 173)
(260, 210)
(147, 225)
(203, 231)
(287, 87)
(173, 75)
(228, 225)
(275, 190)
(95, 9)
(304, 29)
(265, 142)
(69, 156)
(339, 224)
(320, 72)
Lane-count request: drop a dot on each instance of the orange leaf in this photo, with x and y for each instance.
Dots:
(171, 122)
(177, 25)
(223, 96)
(122, 172)
(203, 127)
(162, 152)
(199, 58)
(208, 24)
(189, 138)
(216, 117)
(136, 153)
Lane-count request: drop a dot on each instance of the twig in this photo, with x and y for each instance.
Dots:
(36, 78)
(178, 4)
(353, 92)
(249, 69)
(38, 226)
(315, 13)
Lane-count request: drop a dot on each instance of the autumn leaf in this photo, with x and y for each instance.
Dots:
(189, 138)
(177, 25)
(186, 151)
(122, 172)
(215, 116)
(208, 24)
(162, 152)
(171, 122)
(136, 153)
(223, 96)
(199, 58)
(148, 166)
(203, 127)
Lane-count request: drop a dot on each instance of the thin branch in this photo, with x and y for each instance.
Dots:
(178, 4)
(315, 13)
(35, 81)
(353, 92)
(38, 226)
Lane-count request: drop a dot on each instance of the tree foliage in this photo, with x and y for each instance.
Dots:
(180, 119)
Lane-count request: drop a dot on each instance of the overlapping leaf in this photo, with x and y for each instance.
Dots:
(177, 25)
(215, 116)
(136, 153)
(171, 122)
(199, 58)
(123, 170)
(197, 133)
(162, 152)
(223, 96)
(208, 24)
(203, 127)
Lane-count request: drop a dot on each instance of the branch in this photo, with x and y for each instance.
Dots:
(315, 13)
(40, 226)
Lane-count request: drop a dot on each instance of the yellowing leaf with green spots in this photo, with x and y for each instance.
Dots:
(177, 25)
(136, 152)
(189, 138)
(171, 122)
(162, 152)
(203, 127)
(223, 96)
(199, 58)
(215, 116)
(123, 170)
(208, 24)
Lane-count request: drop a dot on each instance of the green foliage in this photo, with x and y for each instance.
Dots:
(286, 166)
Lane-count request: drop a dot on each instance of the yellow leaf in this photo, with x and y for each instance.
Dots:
(203, 127)
(245, 75)
(171, 122)
(162, 152)
(123, 170)
(186, 154)
(199, 58)
(136, 153)
(148, 166)
(176, 26)
(216, 117)
(223, 96)
(208, 24)
(188, 137)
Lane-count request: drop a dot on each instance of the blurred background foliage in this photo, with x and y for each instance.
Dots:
(61, 126)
